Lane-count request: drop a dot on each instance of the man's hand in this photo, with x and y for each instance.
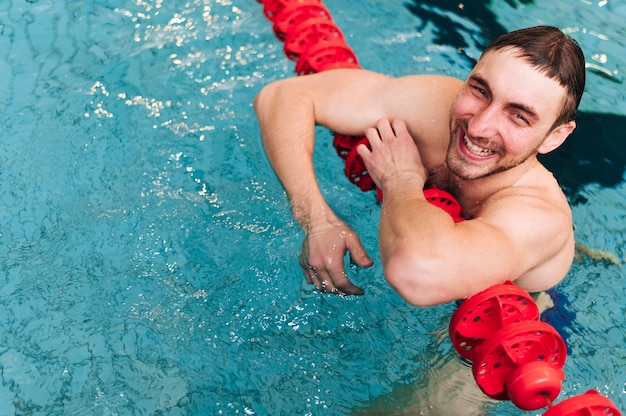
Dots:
(394, 156)
(323, 251)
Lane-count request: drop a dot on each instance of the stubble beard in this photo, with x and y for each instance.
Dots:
(460, 167)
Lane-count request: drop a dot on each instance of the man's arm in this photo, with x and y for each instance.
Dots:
(288, 112)
(522, 233)
(429, 259)
(346, 102)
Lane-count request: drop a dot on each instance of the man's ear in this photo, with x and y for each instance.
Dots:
(557, 137)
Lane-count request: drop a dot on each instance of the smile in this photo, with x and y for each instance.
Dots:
(475, 149)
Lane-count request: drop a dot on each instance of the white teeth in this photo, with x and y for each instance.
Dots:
(477, 150)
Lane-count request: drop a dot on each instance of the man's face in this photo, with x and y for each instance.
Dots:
(501, 116)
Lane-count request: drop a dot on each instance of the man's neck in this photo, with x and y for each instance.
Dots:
(472, 194)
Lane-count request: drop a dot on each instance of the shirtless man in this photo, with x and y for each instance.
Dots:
(477, 139)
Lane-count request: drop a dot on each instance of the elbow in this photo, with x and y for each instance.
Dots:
(266, 104)
(281, 101)
(418, 282)
(283, 90)
(264, 98)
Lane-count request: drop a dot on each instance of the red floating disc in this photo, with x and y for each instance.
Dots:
(445, 201)
(355, 169)
(328, 66)
(293, 14)
(484, 313)
(534, 385)
(591, 403)
(345, 143)
(379, 194)
(440, 199)
(308, 33)
(322, 55)
(512, 346)
(271, 8)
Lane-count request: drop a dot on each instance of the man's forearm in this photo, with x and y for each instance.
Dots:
(287, 127)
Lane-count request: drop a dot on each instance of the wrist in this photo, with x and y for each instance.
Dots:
(400, 184)
(311, 212)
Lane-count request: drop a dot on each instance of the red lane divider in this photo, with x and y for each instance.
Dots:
(514, 355)
(503, 362)
(345, 143)
(326, 55)
(292, 14)
(590, 403)
(486, 312)
(445, 201)
(355, 168)
(308, 33)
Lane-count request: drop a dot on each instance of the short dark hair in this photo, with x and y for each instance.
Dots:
(556, 55)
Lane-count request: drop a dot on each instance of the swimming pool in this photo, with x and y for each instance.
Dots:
(148, 257)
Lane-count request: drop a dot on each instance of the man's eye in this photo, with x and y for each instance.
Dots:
(481, 91)
(522, 118)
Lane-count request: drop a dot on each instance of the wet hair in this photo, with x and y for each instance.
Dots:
(556, 55)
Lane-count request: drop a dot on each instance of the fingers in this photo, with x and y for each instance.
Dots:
(334, 280)
(386, 130)
(322, 257)
(399, 128)
(336, 283)
(316, 276)
(344, 286)
(358, 255)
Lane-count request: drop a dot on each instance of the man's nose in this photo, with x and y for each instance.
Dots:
(483, 123)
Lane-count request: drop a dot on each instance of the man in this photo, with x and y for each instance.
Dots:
(477, 139)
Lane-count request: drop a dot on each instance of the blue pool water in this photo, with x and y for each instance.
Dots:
(148, 259)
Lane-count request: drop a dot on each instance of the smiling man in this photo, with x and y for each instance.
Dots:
(477, 139)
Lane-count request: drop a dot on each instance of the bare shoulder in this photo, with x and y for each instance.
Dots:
(538, 190)
(536, 215)
(421, 99)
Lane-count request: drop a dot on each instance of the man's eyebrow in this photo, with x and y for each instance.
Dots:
(529, 111)
(523, 107)
(480, 80)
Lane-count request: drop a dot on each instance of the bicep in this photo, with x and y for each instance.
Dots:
(343, 99)
(350, 101)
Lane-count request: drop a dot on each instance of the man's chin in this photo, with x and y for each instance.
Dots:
(463, 170)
